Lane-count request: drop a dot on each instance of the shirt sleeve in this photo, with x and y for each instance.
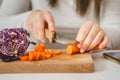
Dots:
(14, 21)
(13, 13)
(12, 7)
(110, 21)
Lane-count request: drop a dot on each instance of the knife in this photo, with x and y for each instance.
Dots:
(60, 38)
(104, 51)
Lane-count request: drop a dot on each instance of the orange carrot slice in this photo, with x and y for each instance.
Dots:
(38, 55)
(56, 52)
(47, 56)
(34, 55)
(42, 56)
(72, 49)
(48, 51)
(23, 58)
(40, 47)
(31, 56)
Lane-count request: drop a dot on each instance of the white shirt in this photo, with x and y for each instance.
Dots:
(13, 13)
(64, 13)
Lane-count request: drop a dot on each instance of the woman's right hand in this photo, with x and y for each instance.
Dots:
(37, 21)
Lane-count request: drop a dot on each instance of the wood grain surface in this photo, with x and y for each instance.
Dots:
(63, 63)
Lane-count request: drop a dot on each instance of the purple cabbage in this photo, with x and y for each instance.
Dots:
(13, 43)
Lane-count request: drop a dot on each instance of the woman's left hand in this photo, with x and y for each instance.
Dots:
(91, 35)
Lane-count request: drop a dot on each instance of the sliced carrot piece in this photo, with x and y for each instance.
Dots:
(72, 49)
(38, 55)
(40, 47)
(42, 56)
(118, 49)
(48, 51)
(96, 48)
(47, 56)
(34, 55)
(23, 58)
(56, 52)
(31, 56)
(36, 48)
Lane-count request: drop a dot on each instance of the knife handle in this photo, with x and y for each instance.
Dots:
(50, 35)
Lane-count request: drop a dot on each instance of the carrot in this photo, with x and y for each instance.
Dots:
(40, 53)
(47, 56)
(96, 47)
(42, 56)
(56, 52)
(48, 51)
(31, 56)
(40, 47)
(72, 49)
(34, 55)
(23, 58)
(37, 55)
(118, 48)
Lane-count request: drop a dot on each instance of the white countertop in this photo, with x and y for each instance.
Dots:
(104, 70)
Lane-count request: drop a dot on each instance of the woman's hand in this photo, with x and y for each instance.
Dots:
(37, 21)
(90, 35)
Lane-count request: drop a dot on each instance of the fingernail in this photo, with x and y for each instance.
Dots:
(100, 47)
(82, 50)
(52, 29)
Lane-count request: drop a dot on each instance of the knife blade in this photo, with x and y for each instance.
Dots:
(58, 37)
(104, 51)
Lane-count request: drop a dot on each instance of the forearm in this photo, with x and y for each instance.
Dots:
(14, 13)
(14, 7)
(113, 34)
(111, 26)
(14, 21)
(110, 21)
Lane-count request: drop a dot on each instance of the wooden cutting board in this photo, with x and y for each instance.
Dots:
(62, 63)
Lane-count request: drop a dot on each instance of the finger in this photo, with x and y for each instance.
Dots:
(83, 32)
(97, 40)
(41, 29)
(90, 37)
(104, 43)
(34, 31)
(49, 19)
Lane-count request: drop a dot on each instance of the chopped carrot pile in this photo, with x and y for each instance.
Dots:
(40, 53)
